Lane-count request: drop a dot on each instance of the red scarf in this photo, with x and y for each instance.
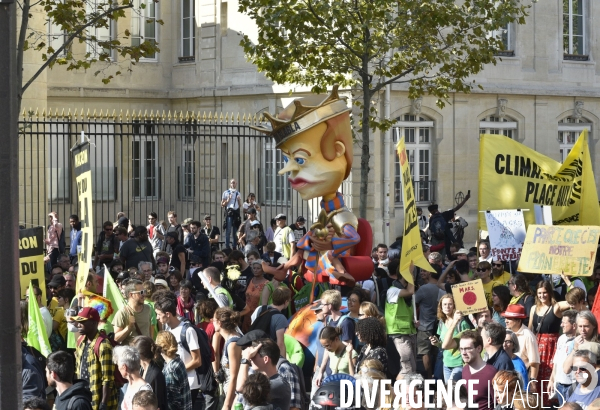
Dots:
(185, 310)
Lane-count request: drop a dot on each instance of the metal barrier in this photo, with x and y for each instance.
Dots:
(152, 163)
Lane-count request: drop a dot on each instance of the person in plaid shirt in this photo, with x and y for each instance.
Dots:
(97, 370)
(179, 395)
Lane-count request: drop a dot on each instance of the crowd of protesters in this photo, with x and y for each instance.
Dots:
(218, 340)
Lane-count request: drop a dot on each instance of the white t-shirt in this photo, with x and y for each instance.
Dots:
(192, 341)
(233, 202)
(564, 347)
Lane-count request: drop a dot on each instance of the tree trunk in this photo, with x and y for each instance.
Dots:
(365, 155)
(21, 51)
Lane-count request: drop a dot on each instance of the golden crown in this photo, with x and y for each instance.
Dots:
(303, 114)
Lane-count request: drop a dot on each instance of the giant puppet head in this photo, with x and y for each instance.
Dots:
(315, 137)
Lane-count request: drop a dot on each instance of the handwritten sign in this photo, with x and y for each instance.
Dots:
(556, 249)
(469, 297)
(507, 233)
(31, 259)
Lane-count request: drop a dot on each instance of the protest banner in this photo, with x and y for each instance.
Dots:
(556, 249)
(83, 178)
(31, 259)
(469, 297)
(412, 248)
(507, 233)
(513, 176)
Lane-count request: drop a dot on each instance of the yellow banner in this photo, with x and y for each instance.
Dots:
(556, 249)
(469, 297)
(83, 177)
(513, 176)
(412, 249)
(31, 259)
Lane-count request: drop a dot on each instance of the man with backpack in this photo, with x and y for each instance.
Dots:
(192, 347)
(60, 370)
(94, 358)
(439, 224)
(270, 320)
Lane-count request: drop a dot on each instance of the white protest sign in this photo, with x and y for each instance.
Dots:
(507, 233)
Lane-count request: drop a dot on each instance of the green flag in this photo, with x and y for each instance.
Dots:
(36, 334)
(111, 292)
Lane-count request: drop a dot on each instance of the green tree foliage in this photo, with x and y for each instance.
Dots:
(431, 46)
(81, 21)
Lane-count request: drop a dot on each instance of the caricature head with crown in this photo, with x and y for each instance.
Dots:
(315, 138)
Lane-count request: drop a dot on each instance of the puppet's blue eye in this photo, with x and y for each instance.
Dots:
(300, 161)
(285, 159)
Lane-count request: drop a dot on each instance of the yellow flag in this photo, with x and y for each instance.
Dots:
(513, 176)
(412, 249)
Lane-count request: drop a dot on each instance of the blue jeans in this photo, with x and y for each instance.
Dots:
(452, 373)
(231, 229)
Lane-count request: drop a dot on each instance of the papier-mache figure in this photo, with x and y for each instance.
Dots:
(315, 138)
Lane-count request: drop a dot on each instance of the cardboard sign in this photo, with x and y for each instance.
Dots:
(507, 233)
(31, 259)
(412, 248)
(556, 249)
(83, 178)
(469, 297)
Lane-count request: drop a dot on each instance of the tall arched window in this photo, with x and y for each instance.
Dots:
(568, 131)
(418, 133)
(499, 126)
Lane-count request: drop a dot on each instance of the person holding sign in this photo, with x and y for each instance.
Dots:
(452, 360)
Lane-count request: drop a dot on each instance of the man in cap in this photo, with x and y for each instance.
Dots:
(59, 323)
(94, 358)
(212, 232)
(231, 201)
(514, 316)
(178, 251)
(186, 228)
(246, 226)
(283, 237)
(299, 229)
(162, 265)
(462, 253)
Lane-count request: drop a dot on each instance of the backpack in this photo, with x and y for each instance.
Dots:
(305, 402)
(205, 373)
(437, 226)
(263, 320)
(119, 379)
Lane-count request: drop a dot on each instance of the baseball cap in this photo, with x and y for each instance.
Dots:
(300, 219)
(187, 221)
(281, 216)
(123, 221)
(251, 211)
(161, 282)
(123, 275)
(87, 313)
(253, 223)
(162, 259)
(461, 251)
(57, 281)
(251, 336)
(206, 217)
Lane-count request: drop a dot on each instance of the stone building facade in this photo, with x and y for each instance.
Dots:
(542, 93)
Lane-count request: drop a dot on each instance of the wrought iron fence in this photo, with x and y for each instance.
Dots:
(152, 163)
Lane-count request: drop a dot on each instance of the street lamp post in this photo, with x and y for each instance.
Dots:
(10, 350)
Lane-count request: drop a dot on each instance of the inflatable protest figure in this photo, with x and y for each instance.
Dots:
(315, 138)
